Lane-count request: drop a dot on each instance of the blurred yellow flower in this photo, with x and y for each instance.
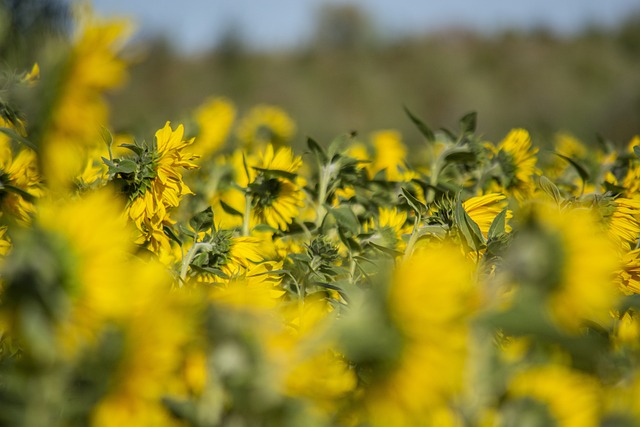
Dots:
(156, 328)
(214, 118)
(432, 298)
(255, 289)
(97, 242)
(627, 332)
(276, 199)
(265, 124)
(573, 399)
(19, 180)
(517, 158)
(388, 228)
(582, 262)
(628, 276)
(390, 154)
(80, 110)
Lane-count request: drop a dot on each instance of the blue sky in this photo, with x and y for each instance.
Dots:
(196, 24)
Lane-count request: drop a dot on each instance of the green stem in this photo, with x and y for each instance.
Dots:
(322, 194)
(186, 261)
(247, 214)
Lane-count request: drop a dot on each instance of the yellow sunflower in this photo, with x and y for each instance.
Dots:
(5, 243)
(255, 289)
(214, 118)
(161, 188)
(517, 158)
(431, 300)
(276, 191)
(569, 256)
(220, 255)
(93, 67)
(628, 277)
(569, 146)
(571, 399)
(265, 124)
(389, 227)
(621, 217)
(19, 180)
(484, 209)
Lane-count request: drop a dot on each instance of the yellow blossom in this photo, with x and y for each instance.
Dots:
(517, 158)
(572, 398)
(214, 117)
(265, 124)
(80, 111)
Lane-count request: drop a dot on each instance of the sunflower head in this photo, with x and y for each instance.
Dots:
(517, 159)
(265, 124)
(276, 190)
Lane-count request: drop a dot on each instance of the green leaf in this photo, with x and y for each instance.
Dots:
(126, 166)
(338, 143)
(582, 171)
(498, 225)
(419, 207)
(264, 228)
(203, 220)
(230, 210)
(25, 195)
(274, 173)
(106, 136)
(458, 155)
(550, 188)
(171, 234)
(452, 136)
(317, 149)
(17, 137)
(469, 229)
(468, 122)
(636, 150)
(214, 271)
(387, 251)
(274, 272)
(423, 128)
(184, 230)
(346, 219)
(109, 163)
(133, 147)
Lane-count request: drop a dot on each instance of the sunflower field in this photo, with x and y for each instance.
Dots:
(210, 275)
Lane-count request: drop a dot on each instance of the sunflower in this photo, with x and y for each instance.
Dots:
(276, 191)
(569, 146)
(568, 257)
(621, 217)
(5, 242)
(76, 250)
(484, 209)
(214, 118)
(386, 155)
(628, 277)
(256, 288)
(517, 159)
(568, 398)
(263, 125)
(431, 300)
(389, 227)
(93, 67)
(221, 256)
(155, 185)
(19, 180)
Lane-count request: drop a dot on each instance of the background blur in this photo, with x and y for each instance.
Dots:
(339, 66)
